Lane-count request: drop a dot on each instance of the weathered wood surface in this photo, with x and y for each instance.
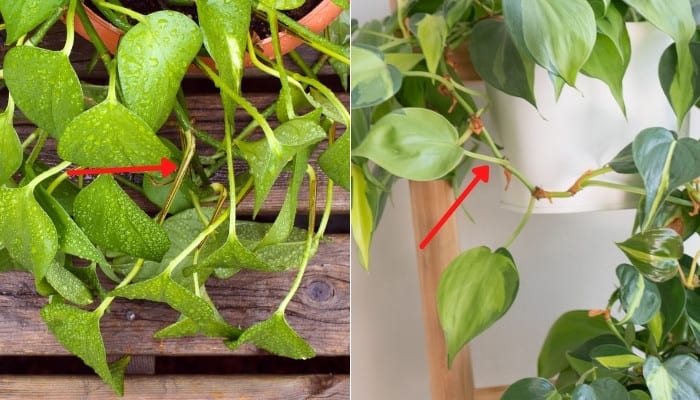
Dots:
(320, 311)
(178, 387)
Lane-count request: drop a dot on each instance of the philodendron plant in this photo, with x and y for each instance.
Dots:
(414, 119)
(73, 233)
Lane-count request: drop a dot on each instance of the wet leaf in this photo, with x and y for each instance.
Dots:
(152, 59)
(111, 219)
(68, 285)
(276, 336)
(26, 231)
(21, 16)
(79, 332)
(335, 161)
(10, 147)
(109, 135)
(294, 136)
(44, 86)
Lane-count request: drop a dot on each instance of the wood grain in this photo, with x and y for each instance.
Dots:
(429, 201)
(320, 311)
(178, 387)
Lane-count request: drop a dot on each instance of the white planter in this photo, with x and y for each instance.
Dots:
(581, 131)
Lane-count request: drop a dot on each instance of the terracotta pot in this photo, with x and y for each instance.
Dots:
(316, 20)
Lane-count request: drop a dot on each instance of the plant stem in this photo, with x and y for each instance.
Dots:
(523, 222)
(70, 28)
(43, 135)
(188, 152)
(38, 36)
(286, 92)
(505, 164)
(47, 174)
(299, 61)
(95, 39)
(59, 179)
(450, 84)
(101, 4)
(325, 91)
(100, 310)
(184, 120)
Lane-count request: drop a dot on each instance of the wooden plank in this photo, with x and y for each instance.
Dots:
(178, 387)
(489, 393)
(320, 311)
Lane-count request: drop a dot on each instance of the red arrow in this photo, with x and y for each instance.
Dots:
(481, 174)
(166, 167)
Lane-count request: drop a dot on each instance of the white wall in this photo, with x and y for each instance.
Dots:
(565, 262)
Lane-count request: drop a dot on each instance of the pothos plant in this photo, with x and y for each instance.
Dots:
(71, 233)
(413, 118)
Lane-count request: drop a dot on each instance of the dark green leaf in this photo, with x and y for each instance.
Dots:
(109, 135)
(673, 304)
(570, 331)
(498, 61)
(79, 332)
(152, 59)
(21, 16)
(413, 143)
(668, 70)
(10, 147)
(44, 86)
(613, 356)
(623, 163)
(276, 336)
(111, 219)
(655, 253)
(373, 80)
(26, 231)
(692, 312)
(678, 378)
(639, 297)
(531, 389)
(339, 33)
(600, 389)
(335, 161)
(266, 165)
(477, 288)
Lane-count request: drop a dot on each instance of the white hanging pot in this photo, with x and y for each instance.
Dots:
(583, 130)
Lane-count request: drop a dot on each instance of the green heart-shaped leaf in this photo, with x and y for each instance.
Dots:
(26, 230)
(109, 135)
(432, 35)
(68, 285)
(44, 86)
(79, 332)
(21, 16)
(152, 59)
(677, 378)
(335, 161)
(276, 336)
(600, 389)
(111, 219)
(11, 148)
(531, 389)
(655, 253)
(640, 298)
(413, 143)
(373, 80)
(612, 356)
(475, 290)
(498, 61)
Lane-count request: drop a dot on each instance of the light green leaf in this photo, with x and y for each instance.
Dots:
(10, 146)
(475, 290)
(638, 395)
(361, 215)
(165, 290)
(26, 231)
(21, 16)
(71, 239)
(79, 332)
(276, 336)
(413, 143)
(611, 54)
(600, 389)
(556, 41)
(225, 27)
(404, 62)
(335, 161)
(570, 331)
(285, 4)
(44, 86)
(640, 298)
(186, 326)
(109, 135)
(454, 10)
(612, 356)
(432, 35)
(600, 7)
(531, 389)
(266, 165)
(152, 59)
(373, 80)
(68, 285)
(655, 253)
(498, 61)
(111, 219)
(678, 378)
